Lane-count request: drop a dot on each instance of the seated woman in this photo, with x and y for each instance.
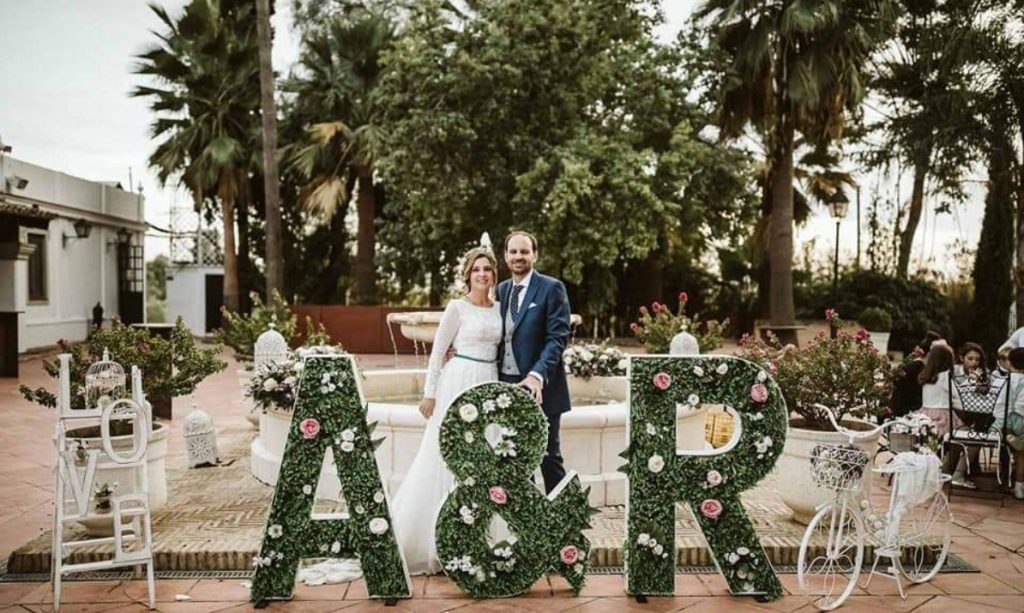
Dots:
(1015, 419)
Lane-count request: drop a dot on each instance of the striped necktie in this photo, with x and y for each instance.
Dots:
(516, 290)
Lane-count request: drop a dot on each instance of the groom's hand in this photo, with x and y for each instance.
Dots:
(535, 386)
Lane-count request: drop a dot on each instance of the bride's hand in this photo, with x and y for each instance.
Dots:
(427, 407)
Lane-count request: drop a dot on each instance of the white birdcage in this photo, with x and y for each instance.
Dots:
(271, 347)
(684, 343)
(105, 382)
(200, 438)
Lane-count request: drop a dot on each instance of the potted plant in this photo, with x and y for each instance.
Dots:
(656, 327)
(170, 367)
(597, 372)
(104, 491)
(845, 373)
(878, 323)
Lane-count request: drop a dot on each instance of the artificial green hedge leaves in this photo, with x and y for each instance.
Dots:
(493, 439)
(711, 484)
(329, 412)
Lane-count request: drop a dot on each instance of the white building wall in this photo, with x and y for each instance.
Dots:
(85, 270)
(186, 295)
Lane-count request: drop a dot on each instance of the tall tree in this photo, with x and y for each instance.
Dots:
(206, 66)
(795, 68)
(568, 120)
(271, 187)
(924, 80)
(336, 94)
(993, 285)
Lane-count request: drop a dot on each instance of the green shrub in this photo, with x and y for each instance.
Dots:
(240, 331)
(875, 319)
(170, 367)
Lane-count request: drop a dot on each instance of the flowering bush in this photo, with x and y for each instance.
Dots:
(845, 373)
(586, 360)
(657, 326)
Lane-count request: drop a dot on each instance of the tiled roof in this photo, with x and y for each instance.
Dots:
(21, 210)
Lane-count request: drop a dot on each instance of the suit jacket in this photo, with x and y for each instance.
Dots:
(539, 336)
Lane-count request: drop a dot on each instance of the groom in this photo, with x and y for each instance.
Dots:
(535, 328)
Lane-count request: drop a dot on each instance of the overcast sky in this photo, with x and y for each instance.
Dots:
(64, 104)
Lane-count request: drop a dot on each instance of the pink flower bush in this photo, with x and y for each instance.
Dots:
(309, 427)
(662, 381)
(497, 494)
(711, 508)
(758, 393)
(831, 314)
(683, 297)
(570, 555)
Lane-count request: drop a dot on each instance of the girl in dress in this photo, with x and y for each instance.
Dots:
(471, 326)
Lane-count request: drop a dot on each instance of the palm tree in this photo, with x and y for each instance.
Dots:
(795, 67)
(206, 105)
(337, 98)
(925, 79)
(272, 193)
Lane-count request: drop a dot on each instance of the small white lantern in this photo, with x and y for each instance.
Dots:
(271, 347)
(200, 438)
(684, 343)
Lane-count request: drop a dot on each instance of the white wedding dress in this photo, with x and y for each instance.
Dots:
(474, 332)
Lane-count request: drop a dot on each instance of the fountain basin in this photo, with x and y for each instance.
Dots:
(592, 434)
(420, 326)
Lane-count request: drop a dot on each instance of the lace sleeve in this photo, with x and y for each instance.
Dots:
(443, 338)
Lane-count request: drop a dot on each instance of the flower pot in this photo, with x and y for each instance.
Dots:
(156, 452)
(795, 486)
(880, 340)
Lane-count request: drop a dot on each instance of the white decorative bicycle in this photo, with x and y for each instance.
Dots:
(913, 535)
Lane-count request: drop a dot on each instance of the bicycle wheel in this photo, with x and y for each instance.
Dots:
(831, 554)
(924, 537)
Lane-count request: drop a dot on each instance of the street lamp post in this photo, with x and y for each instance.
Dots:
(837, 206)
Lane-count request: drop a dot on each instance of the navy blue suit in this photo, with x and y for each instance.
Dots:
(538, 340)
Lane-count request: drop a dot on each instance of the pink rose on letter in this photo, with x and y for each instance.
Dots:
(497, 494)
(711, 508)
(662, 381)
(570, 555)
(714, 478)
(758, 393)
(309, 427)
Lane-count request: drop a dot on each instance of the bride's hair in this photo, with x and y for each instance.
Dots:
(470, 258)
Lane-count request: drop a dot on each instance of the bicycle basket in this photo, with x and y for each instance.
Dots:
(838, 467)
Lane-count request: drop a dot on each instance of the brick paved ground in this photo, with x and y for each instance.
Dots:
(986, 535)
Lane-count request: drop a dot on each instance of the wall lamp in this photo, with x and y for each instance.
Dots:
(124, 237)
(82, 230)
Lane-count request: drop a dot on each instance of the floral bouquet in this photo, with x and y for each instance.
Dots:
(586, 360)
(657, 326)
(845, 373)
(914, 432)
(104, 491)
(275, 384)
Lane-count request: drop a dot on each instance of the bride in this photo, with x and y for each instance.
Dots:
(471, 325)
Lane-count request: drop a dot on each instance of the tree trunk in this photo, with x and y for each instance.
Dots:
(994, 260)
(227, 208)
(365, 290)
(271, 189)
(244, 257)
(780, 232)
(916, 207)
